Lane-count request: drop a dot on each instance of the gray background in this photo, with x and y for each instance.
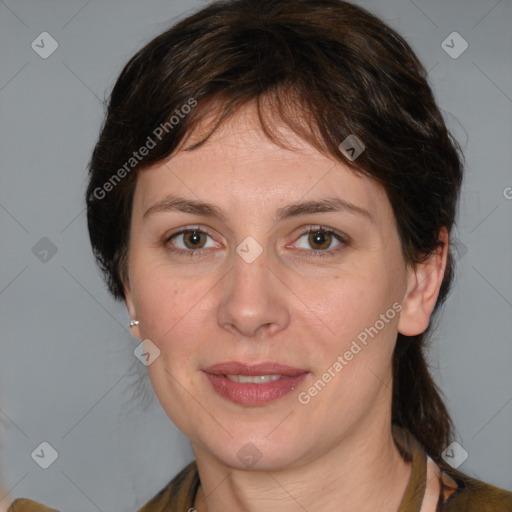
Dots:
(67, 370)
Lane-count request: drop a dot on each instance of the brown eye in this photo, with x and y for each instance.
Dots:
(320, 239)
(194, 239)
(319, 242)
(189, 242)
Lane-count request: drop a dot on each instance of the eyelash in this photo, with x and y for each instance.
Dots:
(316, 253)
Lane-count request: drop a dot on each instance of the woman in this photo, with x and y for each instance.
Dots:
(272, 195)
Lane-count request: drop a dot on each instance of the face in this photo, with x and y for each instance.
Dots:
(251, 285)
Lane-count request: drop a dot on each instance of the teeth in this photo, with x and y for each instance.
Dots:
(253, 379)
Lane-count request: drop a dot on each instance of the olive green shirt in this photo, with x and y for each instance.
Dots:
(432, 488)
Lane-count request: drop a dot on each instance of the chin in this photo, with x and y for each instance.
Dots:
(258, 452)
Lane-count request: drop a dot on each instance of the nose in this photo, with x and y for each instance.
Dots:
(253, 300)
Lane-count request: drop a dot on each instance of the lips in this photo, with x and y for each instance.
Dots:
(236, 368)
(230, 380)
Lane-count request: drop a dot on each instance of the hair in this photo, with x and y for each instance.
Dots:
(327, 69)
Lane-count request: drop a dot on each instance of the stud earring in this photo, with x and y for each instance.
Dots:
(133, 323)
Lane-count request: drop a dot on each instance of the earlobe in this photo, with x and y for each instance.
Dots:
(130, 306)
(424, 283)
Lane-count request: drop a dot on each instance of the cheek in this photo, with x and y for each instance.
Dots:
(345, 304)
(359, 317)
(168, 308)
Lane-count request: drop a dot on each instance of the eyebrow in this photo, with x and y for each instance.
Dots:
(184, 205)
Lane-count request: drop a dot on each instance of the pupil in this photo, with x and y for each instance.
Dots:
(195, 237)
(319, 238)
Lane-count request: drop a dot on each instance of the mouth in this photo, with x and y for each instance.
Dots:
(253, 385)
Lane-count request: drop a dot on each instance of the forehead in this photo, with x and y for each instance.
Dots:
(241, 169)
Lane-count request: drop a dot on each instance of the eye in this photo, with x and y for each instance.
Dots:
(321, 238)
(190, 241)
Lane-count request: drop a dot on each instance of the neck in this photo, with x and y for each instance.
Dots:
(364, 472)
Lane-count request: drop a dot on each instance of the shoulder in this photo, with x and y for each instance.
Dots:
(463, 493)
(178, 494)
(24, 505)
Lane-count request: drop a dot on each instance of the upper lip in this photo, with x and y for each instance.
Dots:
(266, 368)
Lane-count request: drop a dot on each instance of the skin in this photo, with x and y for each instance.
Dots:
(5, 500)
(337, 452)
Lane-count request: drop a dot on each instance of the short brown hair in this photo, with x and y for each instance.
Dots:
(328, 69)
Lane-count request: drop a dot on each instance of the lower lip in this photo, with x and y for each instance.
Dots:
(254, 394)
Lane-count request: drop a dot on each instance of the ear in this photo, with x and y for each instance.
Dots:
(424, 283)
(130, 306)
